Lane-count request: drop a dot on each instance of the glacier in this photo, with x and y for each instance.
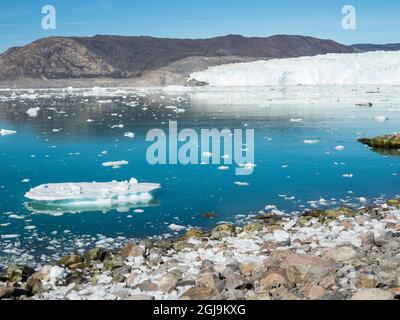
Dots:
(371, 68)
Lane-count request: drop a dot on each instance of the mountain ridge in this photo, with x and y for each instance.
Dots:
(156, 61)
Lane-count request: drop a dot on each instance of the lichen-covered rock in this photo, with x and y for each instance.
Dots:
(273, 280)
(7, 292)
(209, 215)
(253, 227)
(304, 269)
(164, 244)
(223, 231)
(393, 202)
(390, 141)
(34, 286)
(95, 254)
(16, 273)
(200, 293)
(71, 259)
(366, 281)
(342, 254)
(133, 250)
(113, 263)
(119, 274)
(373, 294)
(183, 245)
(194, 233)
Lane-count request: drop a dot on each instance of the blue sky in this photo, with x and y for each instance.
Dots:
(377, 21)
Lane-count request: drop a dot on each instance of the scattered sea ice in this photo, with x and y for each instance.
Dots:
(311, 141)
(115, 164)
(176, 227)
(242, 184)
(5, 132)
(33, 112)
(380, 118)
(347, 175)
(223, 168)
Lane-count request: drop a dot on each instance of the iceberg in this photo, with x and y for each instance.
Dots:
(86, 196)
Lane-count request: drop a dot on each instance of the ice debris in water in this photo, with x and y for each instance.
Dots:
(242, 184)
(176, 227)
(96, 190)
(129, 135)
(311, 141)
(115, 164)
(33, 112)
(5, 132)
(380, 118)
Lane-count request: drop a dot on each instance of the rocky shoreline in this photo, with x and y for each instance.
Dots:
(336, 254)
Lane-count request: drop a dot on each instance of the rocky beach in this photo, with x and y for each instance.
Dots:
(337, 254)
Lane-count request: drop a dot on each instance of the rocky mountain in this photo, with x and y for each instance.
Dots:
(152, 60)
(377, 47)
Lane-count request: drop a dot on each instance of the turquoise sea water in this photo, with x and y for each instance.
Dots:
(60, 145)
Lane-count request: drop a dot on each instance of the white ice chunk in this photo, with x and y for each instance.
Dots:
(5, 132)
(115, 164)
(33, 112)
(311, 141)
(129, 135)
(87, 190)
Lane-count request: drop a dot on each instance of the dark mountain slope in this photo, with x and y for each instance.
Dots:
(130, 57)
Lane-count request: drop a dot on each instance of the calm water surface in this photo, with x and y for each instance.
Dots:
(60, 145)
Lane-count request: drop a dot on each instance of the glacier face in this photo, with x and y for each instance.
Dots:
(371, 68)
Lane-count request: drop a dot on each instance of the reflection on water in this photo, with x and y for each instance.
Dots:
(72, 135)
(390, 152)
(62, 207)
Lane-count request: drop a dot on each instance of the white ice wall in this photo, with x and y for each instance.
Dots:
(358, 68)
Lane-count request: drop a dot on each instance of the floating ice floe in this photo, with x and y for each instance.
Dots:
(311, 141)
(176, 227)
(117, 126)
(33, 112)
(115, 164)
(339, 148)
(5, 132)
(86, 196)
(129, 135)
(242, 184)
(380, 118)
(348, 175)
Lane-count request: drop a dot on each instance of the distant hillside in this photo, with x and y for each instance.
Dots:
(159, 61)
(377, 47)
